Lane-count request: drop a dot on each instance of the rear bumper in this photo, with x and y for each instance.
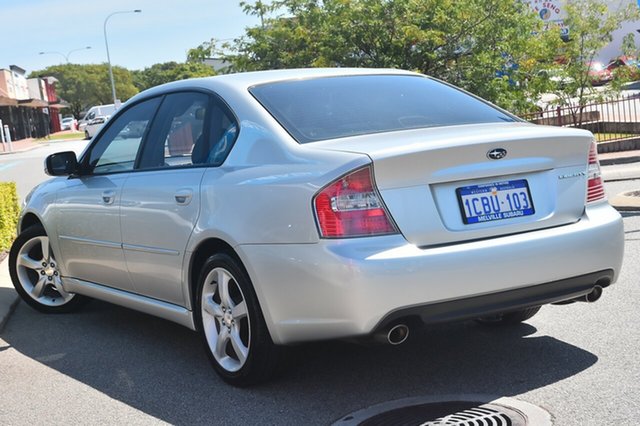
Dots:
(349, 288)
(495, 303)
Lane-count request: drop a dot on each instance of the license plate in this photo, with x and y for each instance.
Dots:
(495, 201)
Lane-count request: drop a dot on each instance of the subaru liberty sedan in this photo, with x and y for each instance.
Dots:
(273, 208)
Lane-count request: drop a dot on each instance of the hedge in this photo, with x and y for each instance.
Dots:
(9, 212)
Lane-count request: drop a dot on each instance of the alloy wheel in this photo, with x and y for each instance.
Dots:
(38, 273)
(225, 319)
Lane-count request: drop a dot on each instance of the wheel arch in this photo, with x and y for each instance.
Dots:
(199, 256)
(28, 220)
(203, 251)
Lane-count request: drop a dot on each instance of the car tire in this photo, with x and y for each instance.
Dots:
(510, 318)
(36, 276)
(86, 135)
(232, 326)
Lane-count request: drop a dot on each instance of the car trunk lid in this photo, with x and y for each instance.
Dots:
(436, 182)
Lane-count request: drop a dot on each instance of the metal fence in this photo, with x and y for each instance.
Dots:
(615, 119)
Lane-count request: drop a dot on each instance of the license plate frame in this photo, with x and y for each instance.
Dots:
(495, 201)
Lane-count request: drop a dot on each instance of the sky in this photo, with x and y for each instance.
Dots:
(163, 32)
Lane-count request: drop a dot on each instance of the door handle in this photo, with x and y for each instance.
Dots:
(108, 197)
(183, 196)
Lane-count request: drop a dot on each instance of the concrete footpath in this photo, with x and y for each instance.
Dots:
(8, 295)
(627, 168)
(24, 145)
(20, 146)
(622, 202)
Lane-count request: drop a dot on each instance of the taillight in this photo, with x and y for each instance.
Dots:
(351, 207)
(595, 186)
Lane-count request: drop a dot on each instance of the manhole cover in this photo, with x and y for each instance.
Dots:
(466, 410)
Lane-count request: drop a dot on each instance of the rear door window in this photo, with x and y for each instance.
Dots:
(192, 128)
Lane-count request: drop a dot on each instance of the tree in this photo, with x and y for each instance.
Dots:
(201, 52)
(85, 85)
(629, 45)
(493, 48)
(591, 24)
(169, 71)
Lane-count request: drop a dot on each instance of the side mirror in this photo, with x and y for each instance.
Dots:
(61, 164)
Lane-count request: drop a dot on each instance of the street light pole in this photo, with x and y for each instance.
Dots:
(106, 43)
(66, 57)
(77, 50)
(54, 53)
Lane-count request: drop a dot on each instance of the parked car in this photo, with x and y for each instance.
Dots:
(95, 112)
(599, 74)
(94, 125)
(626, 65)
(557, 77)
(68, 123)
(274, 208)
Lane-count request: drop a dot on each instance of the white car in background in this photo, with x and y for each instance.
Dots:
(94, 112)
(94, 125)
(68, 123)
(273, 208)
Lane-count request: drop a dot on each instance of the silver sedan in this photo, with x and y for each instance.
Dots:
(268, 209)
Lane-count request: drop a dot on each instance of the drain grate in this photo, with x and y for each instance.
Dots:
(472, 410)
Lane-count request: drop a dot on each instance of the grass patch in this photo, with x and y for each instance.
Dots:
(602, 137)
(61, 136)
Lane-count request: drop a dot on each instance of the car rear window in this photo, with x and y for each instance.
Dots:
(334, 107)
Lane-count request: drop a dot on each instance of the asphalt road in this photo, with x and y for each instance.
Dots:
(110, 365)
(27, 168)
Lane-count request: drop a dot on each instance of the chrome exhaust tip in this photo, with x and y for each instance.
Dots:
(398, 334)
(595, 294)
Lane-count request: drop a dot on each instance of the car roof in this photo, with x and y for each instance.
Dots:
(248, 79)
(245, 80)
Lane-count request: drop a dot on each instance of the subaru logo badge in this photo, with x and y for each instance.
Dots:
(497, 154)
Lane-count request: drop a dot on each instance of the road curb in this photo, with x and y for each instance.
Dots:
(626, 201)
(35, 145)
(626, 208)
(619, 160)
(8, 296)
(18, 151)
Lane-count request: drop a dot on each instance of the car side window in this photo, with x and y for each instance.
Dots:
(224, 131)
(188, 131)
(180, 125)
(117, 148)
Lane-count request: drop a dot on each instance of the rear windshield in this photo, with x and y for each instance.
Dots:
(334, 107)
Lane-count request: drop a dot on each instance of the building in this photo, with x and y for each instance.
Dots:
(13, 83)
(614, 49)
(220, 66)
(552, 12)
(30, 108)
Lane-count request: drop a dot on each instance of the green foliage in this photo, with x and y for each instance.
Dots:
(169, 71)
(9, 212)
(591, 24)
(474, 44)
(629, 45)
(203, 51)
(83, 86)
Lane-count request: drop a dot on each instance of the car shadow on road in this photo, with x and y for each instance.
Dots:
(161, 369)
